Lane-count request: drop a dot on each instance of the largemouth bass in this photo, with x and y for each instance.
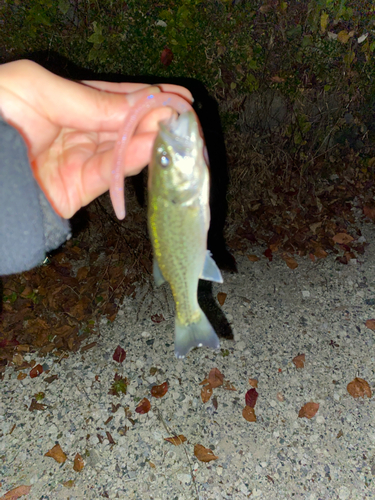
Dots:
(178, 219)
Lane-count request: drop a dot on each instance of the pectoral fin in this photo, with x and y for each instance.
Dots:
(158, 276)
(210, 270)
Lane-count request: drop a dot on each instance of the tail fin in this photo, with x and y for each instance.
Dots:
(196, 334)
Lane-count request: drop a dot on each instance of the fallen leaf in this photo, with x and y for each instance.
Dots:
(50, 379)
(221, 296)
(82, 273)
(120, 384)
(253, 258)
(289, 261)
(342, 238)
(308, 410)
(110, 438)
(206, 393)
(369, 212)
(228, 386)
(251, 397)
(320, 253)
(299, 361)
(152, 465)
(17, 359)
(21, 376)
(248, 414)
(158, 391)
(358, 388)
(253, 382)
(268, 254)
(78, 463)
(176, 440)
(204, 454)
(69, 484)
(17, 492)
(215, 378)
(370, 323)
(36, 371)
(37, 406)
(57, 454)
(214, 402)
(166, 56)
(119, 354)
(144, 406)
(157, 318)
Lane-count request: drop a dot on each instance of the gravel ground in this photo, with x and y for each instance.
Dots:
(318, 309)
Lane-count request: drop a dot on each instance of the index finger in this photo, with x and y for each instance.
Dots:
(128, 87)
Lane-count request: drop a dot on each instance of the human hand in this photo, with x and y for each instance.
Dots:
(71, 129)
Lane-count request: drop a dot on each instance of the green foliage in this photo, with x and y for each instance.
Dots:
(236, 49)
(119, 385)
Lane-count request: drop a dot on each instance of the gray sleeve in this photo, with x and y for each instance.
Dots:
(29, 227)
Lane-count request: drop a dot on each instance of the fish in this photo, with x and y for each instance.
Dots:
(178, 222)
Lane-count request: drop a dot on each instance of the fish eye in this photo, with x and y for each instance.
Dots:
(164, 160)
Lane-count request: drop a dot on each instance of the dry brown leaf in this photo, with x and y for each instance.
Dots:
(289, 261)
(17, 492)
(57, 454)
(176, 440)
(253, 382)
(253, 258)
(35, 406)
(144, 406)
(152, 465)
(158, 391)
(315, 226)
(320, 253)
(36, 371)
(206, 393)
(221, 296)
(204, 454)
(342, 238)
(215, 378)
(299, 361)
(370, 323)
(308, 410)
(17, 359)
(248, 414)
(82, 273)
(358, 388)
(369, 212)
(78, 463)
(228, 386)
(21, 376)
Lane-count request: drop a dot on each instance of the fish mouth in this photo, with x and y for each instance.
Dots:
(183, 130)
